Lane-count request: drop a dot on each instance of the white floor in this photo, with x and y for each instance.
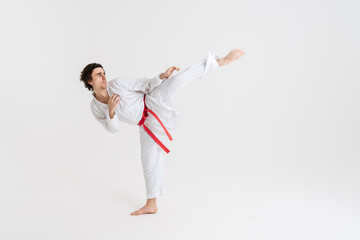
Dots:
(211, 201)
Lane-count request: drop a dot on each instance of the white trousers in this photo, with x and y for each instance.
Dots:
(152, 155)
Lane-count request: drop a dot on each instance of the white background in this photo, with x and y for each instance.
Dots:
(267, 147)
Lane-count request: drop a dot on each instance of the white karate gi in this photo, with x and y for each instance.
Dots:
(159, 95)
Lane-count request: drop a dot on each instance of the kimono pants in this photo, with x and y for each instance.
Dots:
(152, 155)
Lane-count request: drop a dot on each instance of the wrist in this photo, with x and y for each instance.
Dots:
(111, 113)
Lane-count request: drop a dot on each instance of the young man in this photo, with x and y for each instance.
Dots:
(146, 102)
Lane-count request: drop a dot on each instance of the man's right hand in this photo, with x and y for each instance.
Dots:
(168, 72)
(112, 103)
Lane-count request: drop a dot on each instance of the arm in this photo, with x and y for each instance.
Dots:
(144, 84)
(162, 75)
(138, 84)
(111, 125)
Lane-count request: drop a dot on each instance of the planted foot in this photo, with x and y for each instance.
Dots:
(145, 210)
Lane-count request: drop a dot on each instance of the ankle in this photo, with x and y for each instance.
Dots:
(151, 202)
(221, 62)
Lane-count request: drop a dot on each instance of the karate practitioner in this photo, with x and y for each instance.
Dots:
(146, 102)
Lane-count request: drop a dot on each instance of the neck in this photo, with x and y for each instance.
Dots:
(101, 95)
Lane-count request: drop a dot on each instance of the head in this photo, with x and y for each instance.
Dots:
(93, 76)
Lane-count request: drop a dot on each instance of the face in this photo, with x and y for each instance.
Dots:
(98, 79)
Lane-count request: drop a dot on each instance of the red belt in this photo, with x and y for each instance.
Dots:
(144, 116)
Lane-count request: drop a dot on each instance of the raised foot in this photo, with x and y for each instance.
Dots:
(232, 56)
(145, 210)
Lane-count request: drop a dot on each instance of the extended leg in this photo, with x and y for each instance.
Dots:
(169, 87)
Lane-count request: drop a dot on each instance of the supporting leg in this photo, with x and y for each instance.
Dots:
(152, 159)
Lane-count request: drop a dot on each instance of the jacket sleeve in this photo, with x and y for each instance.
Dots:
(110, 125)
(138, 84)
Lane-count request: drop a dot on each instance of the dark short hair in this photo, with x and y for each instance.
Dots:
(85, 75)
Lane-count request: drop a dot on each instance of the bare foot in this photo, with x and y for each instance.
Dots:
(150, 207)
(232, 56)
(145, 210)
